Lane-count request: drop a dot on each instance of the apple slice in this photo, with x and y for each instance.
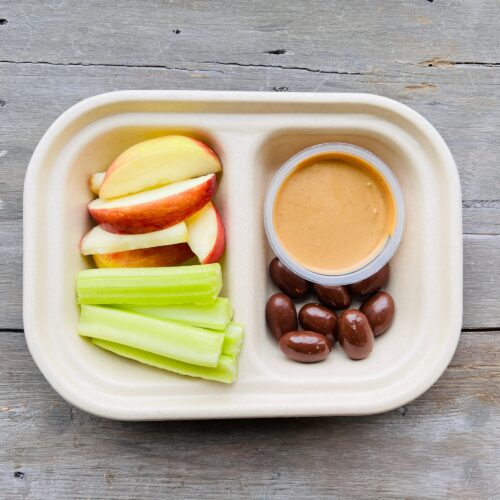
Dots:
(170, 255)
(95, 182)
(206, 235)
(157, 162)
(154, 209)
(100, 241)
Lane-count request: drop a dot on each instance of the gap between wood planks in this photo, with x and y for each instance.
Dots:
(431, 63)
(493, 329)
(109, 65)
(177, 68)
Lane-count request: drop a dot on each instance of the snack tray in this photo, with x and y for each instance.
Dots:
(254, 134)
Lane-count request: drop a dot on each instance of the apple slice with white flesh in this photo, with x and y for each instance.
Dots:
(156, 208)
(95, 182)
(170, 255)
(100, 241)
(157, 162)
(206, 235)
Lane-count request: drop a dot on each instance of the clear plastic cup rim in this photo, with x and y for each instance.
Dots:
(385, 253)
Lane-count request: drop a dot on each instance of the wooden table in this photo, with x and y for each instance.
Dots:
(440, 57)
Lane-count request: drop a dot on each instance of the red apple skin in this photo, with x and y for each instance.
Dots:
(168, 255)
(158, 214)
(208, 149)
(220, 242)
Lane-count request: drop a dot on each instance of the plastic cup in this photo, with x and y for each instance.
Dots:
(368, 268)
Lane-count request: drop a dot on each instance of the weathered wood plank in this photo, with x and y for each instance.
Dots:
(481, 280)
(329, 36)
(11, 275)
(52, 89)
(444, 444)
(481, 217)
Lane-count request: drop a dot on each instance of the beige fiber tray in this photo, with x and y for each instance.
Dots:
(253, 133)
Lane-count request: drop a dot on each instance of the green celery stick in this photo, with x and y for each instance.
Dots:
(198, 284)
(215, 316)
(226, 371)
(159, 336)
(233, 339)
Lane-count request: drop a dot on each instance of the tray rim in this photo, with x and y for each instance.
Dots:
(91, 104)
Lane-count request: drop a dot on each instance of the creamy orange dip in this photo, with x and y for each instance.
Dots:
(334, 213)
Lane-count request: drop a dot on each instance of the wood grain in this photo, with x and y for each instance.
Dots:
(330, 36)
(439, 57)
(443, 445)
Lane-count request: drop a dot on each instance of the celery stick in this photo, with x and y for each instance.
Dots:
(198, 284)
(159, 336)
(215, 316)
(233, 339)
(226, 371)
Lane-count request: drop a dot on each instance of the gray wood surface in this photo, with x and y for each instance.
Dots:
(443, 59)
